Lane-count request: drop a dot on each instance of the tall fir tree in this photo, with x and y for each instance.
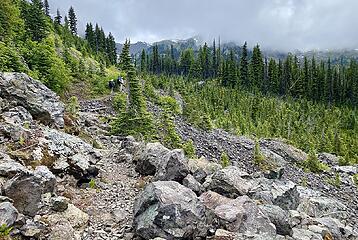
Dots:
(244, 66)
(46, 7)
(58, 17)
(35, 20)
(72, 20)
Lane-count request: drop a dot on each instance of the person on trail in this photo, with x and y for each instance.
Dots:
(120, 82)
(111, 85)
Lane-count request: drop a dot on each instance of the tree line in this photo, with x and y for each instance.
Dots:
(294, 76)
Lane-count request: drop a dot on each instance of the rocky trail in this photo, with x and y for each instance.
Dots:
(87, 184)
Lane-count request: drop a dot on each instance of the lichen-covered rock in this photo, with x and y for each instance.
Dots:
(169, 210)
(323, 207)
(228, 182)
(201, 168)
(304, 234)
(43, 104)
(275, 192)
(8, 214)
(26, 189)
(18, 116)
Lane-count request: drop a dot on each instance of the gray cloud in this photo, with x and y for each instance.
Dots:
(277, 24)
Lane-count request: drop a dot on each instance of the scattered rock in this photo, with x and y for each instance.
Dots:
(169, 210)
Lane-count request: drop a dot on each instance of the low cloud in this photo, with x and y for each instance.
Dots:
(275, 24)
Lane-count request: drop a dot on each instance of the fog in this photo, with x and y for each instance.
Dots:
(275, 24)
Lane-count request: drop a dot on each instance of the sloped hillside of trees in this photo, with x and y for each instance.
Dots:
(50, 49)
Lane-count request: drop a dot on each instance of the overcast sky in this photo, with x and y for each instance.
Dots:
(275, 24)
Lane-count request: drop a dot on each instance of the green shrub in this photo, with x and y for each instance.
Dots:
(5, 230)
(224, 160)
(355, 179)
(170, 104)
(73, 106)
(189, 148)
(92, 184)
(312, 163)
(259, 158)
(120, 102)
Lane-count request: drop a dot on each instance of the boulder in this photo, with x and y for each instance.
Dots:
(286, 151)
(59, 204)
(68, 153)
(275, 164)
(26, 189)
(275, 192)
(17, 116)
(8, 214)
(279, 217)
(304, 234)
(201, 168)
(228, 182)
(350, 170)
(174, 167)
(151, 159)
(329, 159)
(33, 230)
(335, 228)
(9, 168)
(191, 183)
(76, 217)
(43, 104)
(323, 207)
(240, 215)
(169, 210)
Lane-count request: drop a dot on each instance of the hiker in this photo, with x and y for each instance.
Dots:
(120, 82)
(111, 85)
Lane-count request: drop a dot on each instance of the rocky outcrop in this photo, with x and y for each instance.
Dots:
(169, 210)
(8, 214)
(43, 104)
(26, 190)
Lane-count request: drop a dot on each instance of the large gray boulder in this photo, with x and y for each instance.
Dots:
(201, 168)
(174, 167)
(275, 192)
(334, 227)
(151, 159)
(279, 217)
(17, 115)
(69, 153)
(169, 210)
(323, 207)
(228, 182)
(240, 215)
(8, 214)
(26, 189)
(164, 164)
(43, 104)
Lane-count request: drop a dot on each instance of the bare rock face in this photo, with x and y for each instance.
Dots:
(229, 182)
(169, 210)
(26, 189)
(43, 104)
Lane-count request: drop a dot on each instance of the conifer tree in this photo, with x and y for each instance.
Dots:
(46, 8)
(35, 20)
(135, 119)
(256, 69)
(90, 36)
(244, 66)
(58, 17)
(72, 20)
(143, 63)
(111, 49)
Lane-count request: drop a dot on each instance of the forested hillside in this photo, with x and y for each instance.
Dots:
(312, 104)
(51, 50)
